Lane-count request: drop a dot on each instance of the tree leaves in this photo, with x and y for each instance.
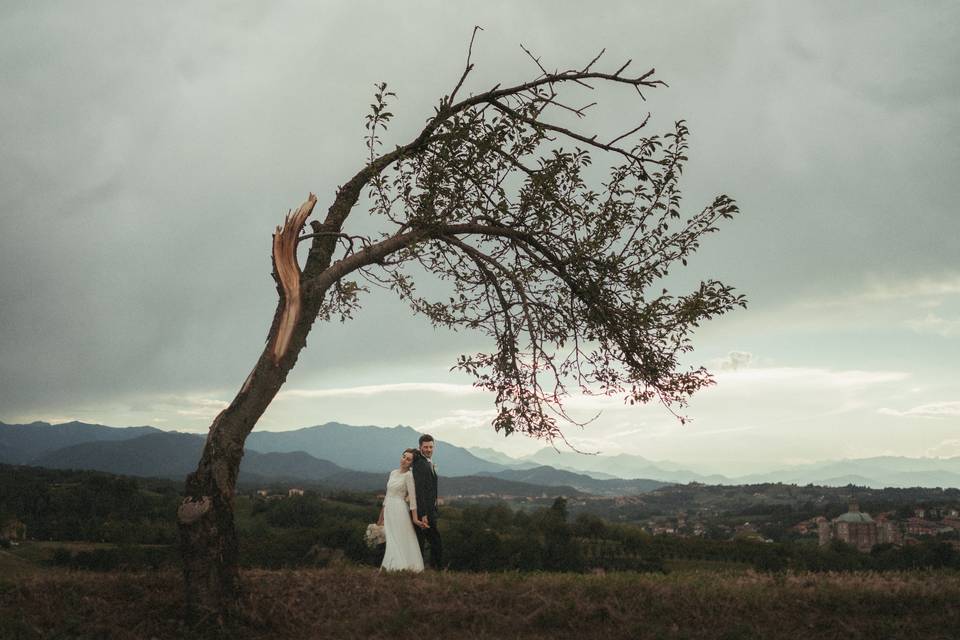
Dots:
(528, 247)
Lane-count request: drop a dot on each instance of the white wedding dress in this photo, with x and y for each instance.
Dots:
(403, 550)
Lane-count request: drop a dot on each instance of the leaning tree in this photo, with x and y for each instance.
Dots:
(493, 198)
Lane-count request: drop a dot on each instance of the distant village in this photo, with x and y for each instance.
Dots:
(855, 527)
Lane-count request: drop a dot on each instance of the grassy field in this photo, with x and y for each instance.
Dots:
(40, 551)
(13, 566)
(680, 565)
(360, 603)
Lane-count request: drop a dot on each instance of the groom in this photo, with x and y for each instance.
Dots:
(425, 483)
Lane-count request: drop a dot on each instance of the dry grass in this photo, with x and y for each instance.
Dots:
(13, 566)
(359, 603)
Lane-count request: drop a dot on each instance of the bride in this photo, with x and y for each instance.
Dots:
(398, 518)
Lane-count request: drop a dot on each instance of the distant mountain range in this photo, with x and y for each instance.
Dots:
(367, 448)
(492, 455)
(20, 443)
(150, 452)
(166, 454)
(620, 466)
(876, 472)
(360, 456)
(545, 475)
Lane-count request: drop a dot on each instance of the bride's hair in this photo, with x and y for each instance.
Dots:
(414, 452)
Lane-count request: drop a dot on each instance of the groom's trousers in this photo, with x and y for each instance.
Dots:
(431, 537)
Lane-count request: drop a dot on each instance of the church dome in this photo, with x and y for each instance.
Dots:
(854, 516)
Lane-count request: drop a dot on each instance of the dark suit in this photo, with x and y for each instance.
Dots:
(425, 483)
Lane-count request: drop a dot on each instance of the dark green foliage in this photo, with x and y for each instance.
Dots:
(88, 505)
(301, 530)
(589, 526)
(773, 507)
(491, 538)
(319, 530)
(276, 549)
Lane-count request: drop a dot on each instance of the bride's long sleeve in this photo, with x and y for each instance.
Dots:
(412, 492)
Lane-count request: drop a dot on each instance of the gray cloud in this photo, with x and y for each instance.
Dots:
(148, 151)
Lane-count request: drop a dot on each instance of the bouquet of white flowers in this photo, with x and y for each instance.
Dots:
(374, 535)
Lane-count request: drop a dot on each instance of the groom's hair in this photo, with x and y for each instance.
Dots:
(425, 438)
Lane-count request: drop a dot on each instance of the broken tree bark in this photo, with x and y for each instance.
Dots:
(208, 538)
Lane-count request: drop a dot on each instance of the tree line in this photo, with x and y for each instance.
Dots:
(137, 515)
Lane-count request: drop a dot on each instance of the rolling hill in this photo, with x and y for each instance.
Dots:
(367, 448)
(545, 475)
(21, 443)
(174, 455)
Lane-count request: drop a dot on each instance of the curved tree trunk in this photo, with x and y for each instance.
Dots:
(208, 537)
(205, 518)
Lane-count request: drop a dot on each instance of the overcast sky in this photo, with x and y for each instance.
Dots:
(149, 149)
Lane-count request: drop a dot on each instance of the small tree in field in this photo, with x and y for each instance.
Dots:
(491, 198)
